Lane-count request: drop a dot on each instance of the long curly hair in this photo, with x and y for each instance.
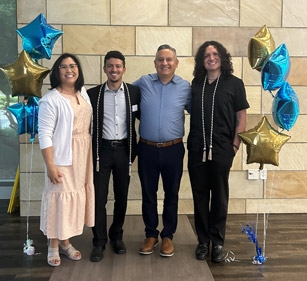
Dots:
(226, 65)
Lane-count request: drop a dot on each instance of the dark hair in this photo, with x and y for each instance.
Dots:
(166, 47)
(55, 80)
(226, 64)
(115, 55)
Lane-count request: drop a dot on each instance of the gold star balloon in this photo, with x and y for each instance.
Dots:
(263, 143)
(259, 47)
(25, 76)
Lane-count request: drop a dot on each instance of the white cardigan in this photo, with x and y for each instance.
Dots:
(55, 124)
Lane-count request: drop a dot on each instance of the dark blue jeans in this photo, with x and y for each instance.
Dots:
(153, 162)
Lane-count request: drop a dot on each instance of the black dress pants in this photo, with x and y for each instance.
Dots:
(210, 188)
(113, 158)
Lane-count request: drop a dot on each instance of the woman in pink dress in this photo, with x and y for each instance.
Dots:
(64, 133)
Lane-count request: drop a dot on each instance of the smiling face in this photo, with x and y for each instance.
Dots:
(114, 69)
(212, 59)
(69, 71)
(166, 63)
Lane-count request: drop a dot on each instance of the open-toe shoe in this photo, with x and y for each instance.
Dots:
(70, 252)
(53, 257)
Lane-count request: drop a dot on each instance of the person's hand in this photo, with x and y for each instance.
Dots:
(54, 175)
(235, 148)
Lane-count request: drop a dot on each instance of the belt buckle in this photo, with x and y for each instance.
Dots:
(115, 143)
(160, 144)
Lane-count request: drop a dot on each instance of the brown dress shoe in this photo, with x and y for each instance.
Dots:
(167, 248)
(148, 246)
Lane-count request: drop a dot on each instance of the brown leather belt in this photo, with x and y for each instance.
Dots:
(161, 144)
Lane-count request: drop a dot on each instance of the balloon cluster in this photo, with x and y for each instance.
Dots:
(263, 141)
(274, 64)
(26, 76)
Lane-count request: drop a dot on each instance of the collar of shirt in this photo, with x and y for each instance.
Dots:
(175, 79)
(121, 89)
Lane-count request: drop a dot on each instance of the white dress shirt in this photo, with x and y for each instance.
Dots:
(114, 118)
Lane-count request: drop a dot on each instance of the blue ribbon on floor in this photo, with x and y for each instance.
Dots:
(252, 236)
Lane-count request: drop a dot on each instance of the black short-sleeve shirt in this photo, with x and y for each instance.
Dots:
(230, 97)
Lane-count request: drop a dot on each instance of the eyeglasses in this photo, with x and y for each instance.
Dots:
(71, 66)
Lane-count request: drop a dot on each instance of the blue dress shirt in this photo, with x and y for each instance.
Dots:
(162, 107)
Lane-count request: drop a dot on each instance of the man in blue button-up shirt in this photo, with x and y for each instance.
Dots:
(164, 97)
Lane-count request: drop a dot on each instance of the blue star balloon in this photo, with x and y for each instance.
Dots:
(285, 108)
(275, 69)
(26, 114)
(38, 38)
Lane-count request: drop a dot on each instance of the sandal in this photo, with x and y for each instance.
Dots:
(70, 252)
(53, 257)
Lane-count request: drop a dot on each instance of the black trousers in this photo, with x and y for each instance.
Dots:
(153, 162)
(112, 159)
(210, 187)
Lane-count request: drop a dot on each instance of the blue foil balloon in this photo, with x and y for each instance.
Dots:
(38, 38)
(275, 69)
(26, 114)
(285, 108)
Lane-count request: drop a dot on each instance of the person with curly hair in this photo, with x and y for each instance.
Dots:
(218, 114)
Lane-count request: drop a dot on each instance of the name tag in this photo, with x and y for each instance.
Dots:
(134, 107)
